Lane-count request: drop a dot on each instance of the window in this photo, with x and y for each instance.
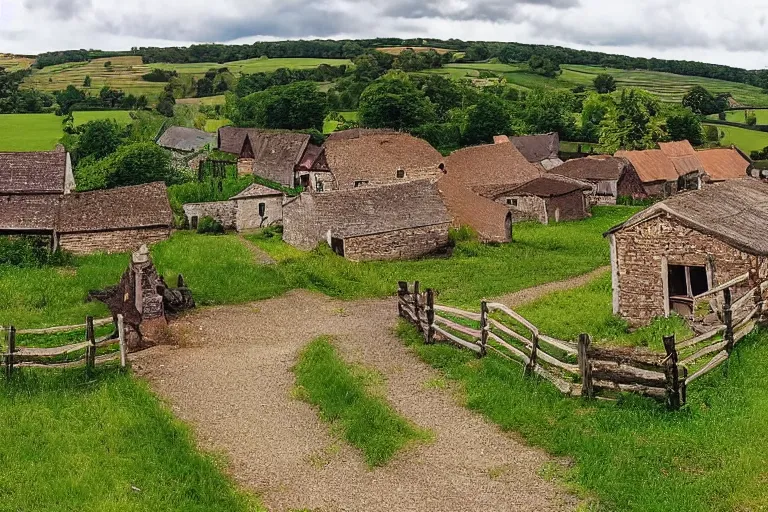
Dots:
(401, 173)
(262, 209)
(319, 186)
(360, 183)
(512, 202)
(193, 222)
(687, 281)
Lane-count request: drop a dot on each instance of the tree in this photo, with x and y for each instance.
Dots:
(549, 110)
(394, 102)
(700, 101)
(683, 124)
(444, 93)
(68, 98)
(292, 107)
(487, 118)
(166, 102)
(604, 83)
(138, 163)
(593, 112)
(631, 123)
(543, 66)
(98, 139)
(477, 52)
(711, 133)
(87, 81)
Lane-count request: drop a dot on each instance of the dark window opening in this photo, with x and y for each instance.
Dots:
(319, 186)
(688, 182)
(401, 173)
(337, 245)
(511, 202)
(262, 209)
(304, 181)
(193, 222)
(360, 183)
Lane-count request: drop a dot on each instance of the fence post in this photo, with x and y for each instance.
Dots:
(402, 291)
(585, 367)
(483, 328)
(671, 371)
(430, 317)
(531, 366)
(90, 351)
(728, 319)
(121, 335)
(416, 287)
(11, 350)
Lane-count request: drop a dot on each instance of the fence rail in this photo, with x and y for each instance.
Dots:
(583, 369)
(15, 357)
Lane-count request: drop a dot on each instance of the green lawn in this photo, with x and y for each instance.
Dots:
(746, 140)
(41, 132)
(71, 444)
(347, 396)
(738, 116)
(330, 126)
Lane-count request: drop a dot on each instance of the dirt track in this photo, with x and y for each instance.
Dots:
(232, 381)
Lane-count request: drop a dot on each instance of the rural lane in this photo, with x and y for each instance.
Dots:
(231, 380)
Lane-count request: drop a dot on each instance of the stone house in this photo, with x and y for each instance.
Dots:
(658, 174)
(490, 220)
(114, 220)
(686, 245)
(186, 145)
(549, 198)
(389, 222)
(255, 207)
(368, 158)
(609, 177)
(541, 150)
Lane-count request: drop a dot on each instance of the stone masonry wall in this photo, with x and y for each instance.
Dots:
(222, 211)
(528, 207)
(247, 212)
(640, 249)
(396, 245)
(572, 207)
(300, 227)
(117, 241)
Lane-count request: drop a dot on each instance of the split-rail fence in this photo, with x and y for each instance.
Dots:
(69, 356)
(583, 368)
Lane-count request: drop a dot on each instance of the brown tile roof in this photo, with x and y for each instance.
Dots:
(276, 155)
(185, 139)
(549, 186)
(377, 158)
(486, 217)
(489, 166)
(592, 168)
(677, 149)
(28, 212)
(40, 172)
(371, 210)
(723, 164)
(536, 148)
(310, 156)
(501, 139)
(356, 133)
(651, 165)
(734, 211)
(230, 138)
(257, 190)
(118, 208)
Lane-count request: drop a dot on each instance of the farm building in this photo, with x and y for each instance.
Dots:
(114, 220)
(609, 177)
(185, 140)
(659, 174)
(363, 158)
(490, 220)
(400, 221)
(488, 168)
(541, 150)
(722, 164)
(686, 245)
(549, 198)
(255, 207)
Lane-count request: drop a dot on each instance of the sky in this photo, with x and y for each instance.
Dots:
(733, 33)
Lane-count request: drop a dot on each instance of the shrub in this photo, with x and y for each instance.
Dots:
(711, 133)
(30, 251)
(210, 226)
(751, 119)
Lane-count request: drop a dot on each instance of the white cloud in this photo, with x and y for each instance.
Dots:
(685, 29)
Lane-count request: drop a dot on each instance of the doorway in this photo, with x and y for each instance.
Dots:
(685, 282)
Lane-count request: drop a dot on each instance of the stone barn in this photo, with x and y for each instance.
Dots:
(547, 199)
(390, 222)
(661, 175)
(687, 245)
(256, 207)
(114, 220)
(609, 177)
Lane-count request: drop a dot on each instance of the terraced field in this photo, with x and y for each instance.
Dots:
(14, 62)
(252, 65)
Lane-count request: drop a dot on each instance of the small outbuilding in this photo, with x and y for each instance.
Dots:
(185, 140)
(389, 222)
(687, 245)
(549, 198)
(490, 220)
(609, 177)
(541, 150)
(256, 207)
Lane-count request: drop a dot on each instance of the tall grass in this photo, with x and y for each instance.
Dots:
(634, 456)
(344, 397)
(107, 444)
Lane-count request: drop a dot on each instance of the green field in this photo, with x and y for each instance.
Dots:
(738, 116)
(41, 132)
(251, 65)
(330, 126)
(14, 62)
(744, 139)
(213, 125)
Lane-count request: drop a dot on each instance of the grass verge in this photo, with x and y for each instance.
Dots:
(345, 397)
(71, 444)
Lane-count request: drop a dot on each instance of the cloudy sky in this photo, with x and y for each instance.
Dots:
(733, 32)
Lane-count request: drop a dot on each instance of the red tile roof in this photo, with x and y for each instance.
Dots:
(723, 164)
(651, 165)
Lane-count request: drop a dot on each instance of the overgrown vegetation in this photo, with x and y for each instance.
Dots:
(346, 397)
(30, 251)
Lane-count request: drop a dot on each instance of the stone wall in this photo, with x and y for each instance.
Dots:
(300, 227)
(528, 208)
(245, 166)
(396, 245)
(571, 206)
(639, 259)
(123, 240)
(222, 211)
(247, 212)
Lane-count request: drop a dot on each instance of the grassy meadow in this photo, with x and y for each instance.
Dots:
(15, 62)
(739, 116)
(256, 65)
(349, 398)
(330, 126)
(41, 132)
(744, 139)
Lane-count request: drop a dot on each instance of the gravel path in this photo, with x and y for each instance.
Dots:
(231, 380)
(521, 297)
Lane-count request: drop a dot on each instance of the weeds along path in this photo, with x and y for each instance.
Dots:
(261, 257)
(231, 379)
(521, 297)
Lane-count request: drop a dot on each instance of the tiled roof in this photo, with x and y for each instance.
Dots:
(594, 168)
(40, 172)
(536, 148)
(230, 138)
(549, 186)
(651, 165)
(723, 164)
(118, 208)
(276, 155)
(486, 217)
(185, 139)
(257, 190)
(677, 149)
(490, 165)
(734, 211)
(356, 133)
(28, 212)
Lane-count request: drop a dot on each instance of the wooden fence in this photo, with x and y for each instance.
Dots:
(86, 352)
(581, 368)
